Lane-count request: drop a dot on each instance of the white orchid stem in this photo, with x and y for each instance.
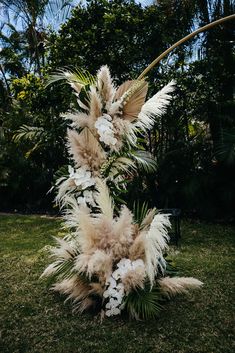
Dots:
(181, 41)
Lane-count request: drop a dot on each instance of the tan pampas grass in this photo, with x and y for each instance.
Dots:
(103, 199)
(65, 187)
(65, 250)
(148, 219)
(72, 213)
(137, 249)
(85, 150)
(100, 263)
(95, 104)
(134, 279)
(79, 119)
(155, 245)
(178, 285)
(78, 290)
(123, 230)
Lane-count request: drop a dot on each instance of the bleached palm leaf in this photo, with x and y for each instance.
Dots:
(155, 244)
(155, 107)
(104, 200)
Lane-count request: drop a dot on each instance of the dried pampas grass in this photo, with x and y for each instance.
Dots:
(105, 86)
(156, 244)
(86, 150)
(171, 286)
(134, 279)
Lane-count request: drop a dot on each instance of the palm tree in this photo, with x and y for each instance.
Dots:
(32, 17)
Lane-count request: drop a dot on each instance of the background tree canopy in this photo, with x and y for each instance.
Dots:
(194, 143)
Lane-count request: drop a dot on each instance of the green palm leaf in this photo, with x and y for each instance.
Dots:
(143, 303)
(82, 77)
(144, 160)
(140, 211)
(28, 133)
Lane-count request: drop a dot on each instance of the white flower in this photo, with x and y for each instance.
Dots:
(82, 177)
(104, 127)
(87, 198)
(115, 291)
(113, 311)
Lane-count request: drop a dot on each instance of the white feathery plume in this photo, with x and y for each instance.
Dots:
(171, 286)
(103, 199)
(64, 188)
(66, 249)
(51, 269)
(72, 213)
(155, 106)
(105, 86)
(155, 244)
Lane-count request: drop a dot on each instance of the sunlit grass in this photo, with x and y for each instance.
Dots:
(33, 319)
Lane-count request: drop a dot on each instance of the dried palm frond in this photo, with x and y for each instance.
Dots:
(143, 215)
(132, 99)
(155, 245)
(85, 149)
(105, 86)
(177, 285)
(155, 107)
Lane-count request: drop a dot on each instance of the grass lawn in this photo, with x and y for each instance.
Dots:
(33, 319)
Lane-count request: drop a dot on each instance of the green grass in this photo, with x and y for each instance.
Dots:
(34, 319)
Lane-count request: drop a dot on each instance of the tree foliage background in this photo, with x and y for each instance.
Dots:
(194, 143)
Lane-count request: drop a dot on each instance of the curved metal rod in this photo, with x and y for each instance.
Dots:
(201, 29)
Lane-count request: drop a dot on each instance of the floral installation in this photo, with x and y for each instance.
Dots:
(113, 259)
